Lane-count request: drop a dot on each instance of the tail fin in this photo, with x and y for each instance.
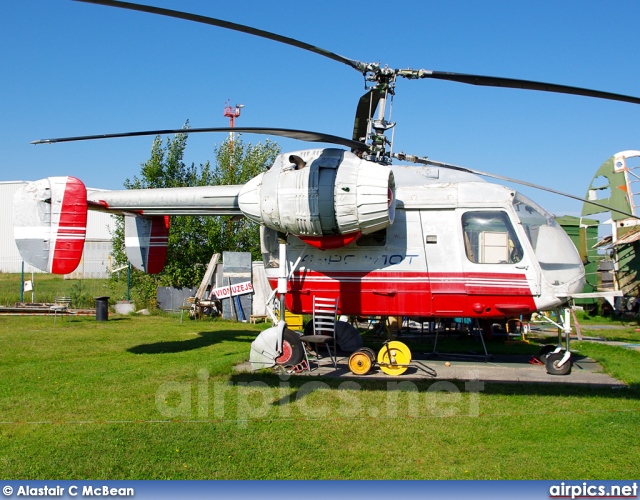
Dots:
(146, 239)
(49, 223)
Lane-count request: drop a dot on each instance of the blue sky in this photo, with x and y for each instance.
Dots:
(71, 68)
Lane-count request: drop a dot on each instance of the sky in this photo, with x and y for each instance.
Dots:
(70, 68)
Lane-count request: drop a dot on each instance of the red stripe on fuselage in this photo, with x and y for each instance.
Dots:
(413, 293)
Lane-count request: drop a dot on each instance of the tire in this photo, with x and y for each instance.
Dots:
(552, 364)
(545, 350)
(360, 363)
(292, 349)
(394, 358)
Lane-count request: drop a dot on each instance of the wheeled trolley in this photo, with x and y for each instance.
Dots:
(393, 359)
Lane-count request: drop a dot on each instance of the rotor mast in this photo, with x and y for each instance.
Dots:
(382, 93)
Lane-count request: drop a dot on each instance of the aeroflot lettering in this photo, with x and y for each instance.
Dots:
(393, 259)
(383, 259)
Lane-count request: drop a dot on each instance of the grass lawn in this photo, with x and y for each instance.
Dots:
(49, 286)
(151, 398)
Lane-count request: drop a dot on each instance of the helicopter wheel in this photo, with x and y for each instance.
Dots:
(545, 350)
(552, 364)
(394, 357)
(292, 349)
(360, 363)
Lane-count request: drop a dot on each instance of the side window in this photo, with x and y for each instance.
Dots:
(489, 238)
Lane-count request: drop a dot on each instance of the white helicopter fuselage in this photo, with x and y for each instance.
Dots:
(397, 241)
(459, 247)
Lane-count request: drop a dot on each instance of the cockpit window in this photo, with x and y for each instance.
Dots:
(532, 217)
(489, 238)
(557, 255)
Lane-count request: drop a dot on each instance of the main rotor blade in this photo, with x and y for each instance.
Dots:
(230, 26)
(514, 83)
(427, 161)
(374, 68)
(301, 135)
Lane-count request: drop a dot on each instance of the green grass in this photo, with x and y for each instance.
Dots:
(629, 335)
(600, 327)
(49, 286)
(150, 398)
(620, 362)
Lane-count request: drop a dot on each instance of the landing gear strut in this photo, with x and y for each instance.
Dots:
(558, 361)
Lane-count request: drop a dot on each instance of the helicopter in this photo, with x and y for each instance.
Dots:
(428, 240)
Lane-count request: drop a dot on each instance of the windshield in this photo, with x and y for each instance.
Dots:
(556, 253)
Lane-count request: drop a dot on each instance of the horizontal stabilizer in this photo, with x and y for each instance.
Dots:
(146, 239)
(50, 222)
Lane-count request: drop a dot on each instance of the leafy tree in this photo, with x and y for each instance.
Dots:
(193, 239)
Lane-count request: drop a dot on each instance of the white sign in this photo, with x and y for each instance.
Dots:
(224, 292)
(28, 286)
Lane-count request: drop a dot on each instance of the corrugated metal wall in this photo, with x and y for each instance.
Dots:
(97, 249)
(95, 263)
(10, 260)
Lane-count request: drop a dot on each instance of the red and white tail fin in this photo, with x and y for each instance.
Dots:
(50, 222)
(146, 239)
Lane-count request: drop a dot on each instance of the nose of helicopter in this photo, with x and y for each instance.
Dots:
(560, 263)
(577, 286)
(559, 259)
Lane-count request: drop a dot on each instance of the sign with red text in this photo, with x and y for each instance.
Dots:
(224, 292)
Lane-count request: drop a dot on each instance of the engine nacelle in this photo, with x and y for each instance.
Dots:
(321, 192)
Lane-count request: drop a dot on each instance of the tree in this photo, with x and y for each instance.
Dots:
(193, 239)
